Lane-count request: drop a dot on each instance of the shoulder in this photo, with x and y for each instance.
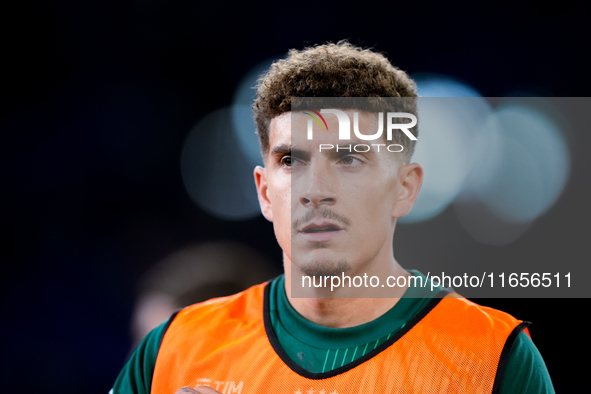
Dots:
(136, 375)
(525, 370)
(207, 327)
(520, 368)
(243, 303)
(465, 327)
(244, 308)
(456, 310)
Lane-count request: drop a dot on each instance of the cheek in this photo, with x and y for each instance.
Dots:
(279, 193)
(281, 206)
(376, 205)
(372, 189)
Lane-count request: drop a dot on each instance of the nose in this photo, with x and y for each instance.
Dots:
(318, 187)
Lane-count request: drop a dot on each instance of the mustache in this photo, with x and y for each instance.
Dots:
(325, 213)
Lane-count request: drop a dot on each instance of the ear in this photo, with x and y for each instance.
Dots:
(410, 177)
(260, 180)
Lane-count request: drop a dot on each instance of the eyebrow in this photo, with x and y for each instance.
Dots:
(332, 153)
(281, 149)
(285, 149)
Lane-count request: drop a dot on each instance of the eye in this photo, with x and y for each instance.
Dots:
(288, 161)
(351, 161)
(285, 161)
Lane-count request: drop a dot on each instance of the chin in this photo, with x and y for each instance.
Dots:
(319, 268)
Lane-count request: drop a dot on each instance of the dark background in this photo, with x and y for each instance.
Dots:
(98, 97)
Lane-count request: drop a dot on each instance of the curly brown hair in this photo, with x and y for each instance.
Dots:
(332, 70)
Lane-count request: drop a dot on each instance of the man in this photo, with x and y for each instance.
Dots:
(334, 212)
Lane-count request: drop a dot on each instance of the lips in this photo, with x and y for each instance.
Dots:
(320, 231)
(320, 227)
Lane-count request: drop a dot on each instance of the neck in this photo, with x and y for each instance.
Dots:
(341, 307)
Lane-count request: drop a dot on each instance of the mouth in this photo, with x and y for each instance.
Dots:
(320, 232)
(320, 228)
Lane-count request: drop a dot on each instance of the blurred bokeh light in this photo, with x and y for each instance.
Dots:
(243, 122)
(449, 112)
(534, 163)
(216, 173)
(503, 164)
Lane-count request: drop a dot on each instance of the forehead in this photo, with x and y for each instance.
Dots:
(280, 127)
(292, 126)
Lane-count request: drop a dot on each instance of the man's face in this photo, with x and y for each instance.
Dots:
(332, 211)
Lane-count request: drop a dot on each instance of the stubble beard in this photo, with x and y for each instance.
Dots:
(321, 268)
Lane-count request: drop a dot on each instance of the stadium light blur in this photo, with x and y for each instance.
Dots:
(535, 163)
(216, 173)
(449, 112)
(243, 123)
